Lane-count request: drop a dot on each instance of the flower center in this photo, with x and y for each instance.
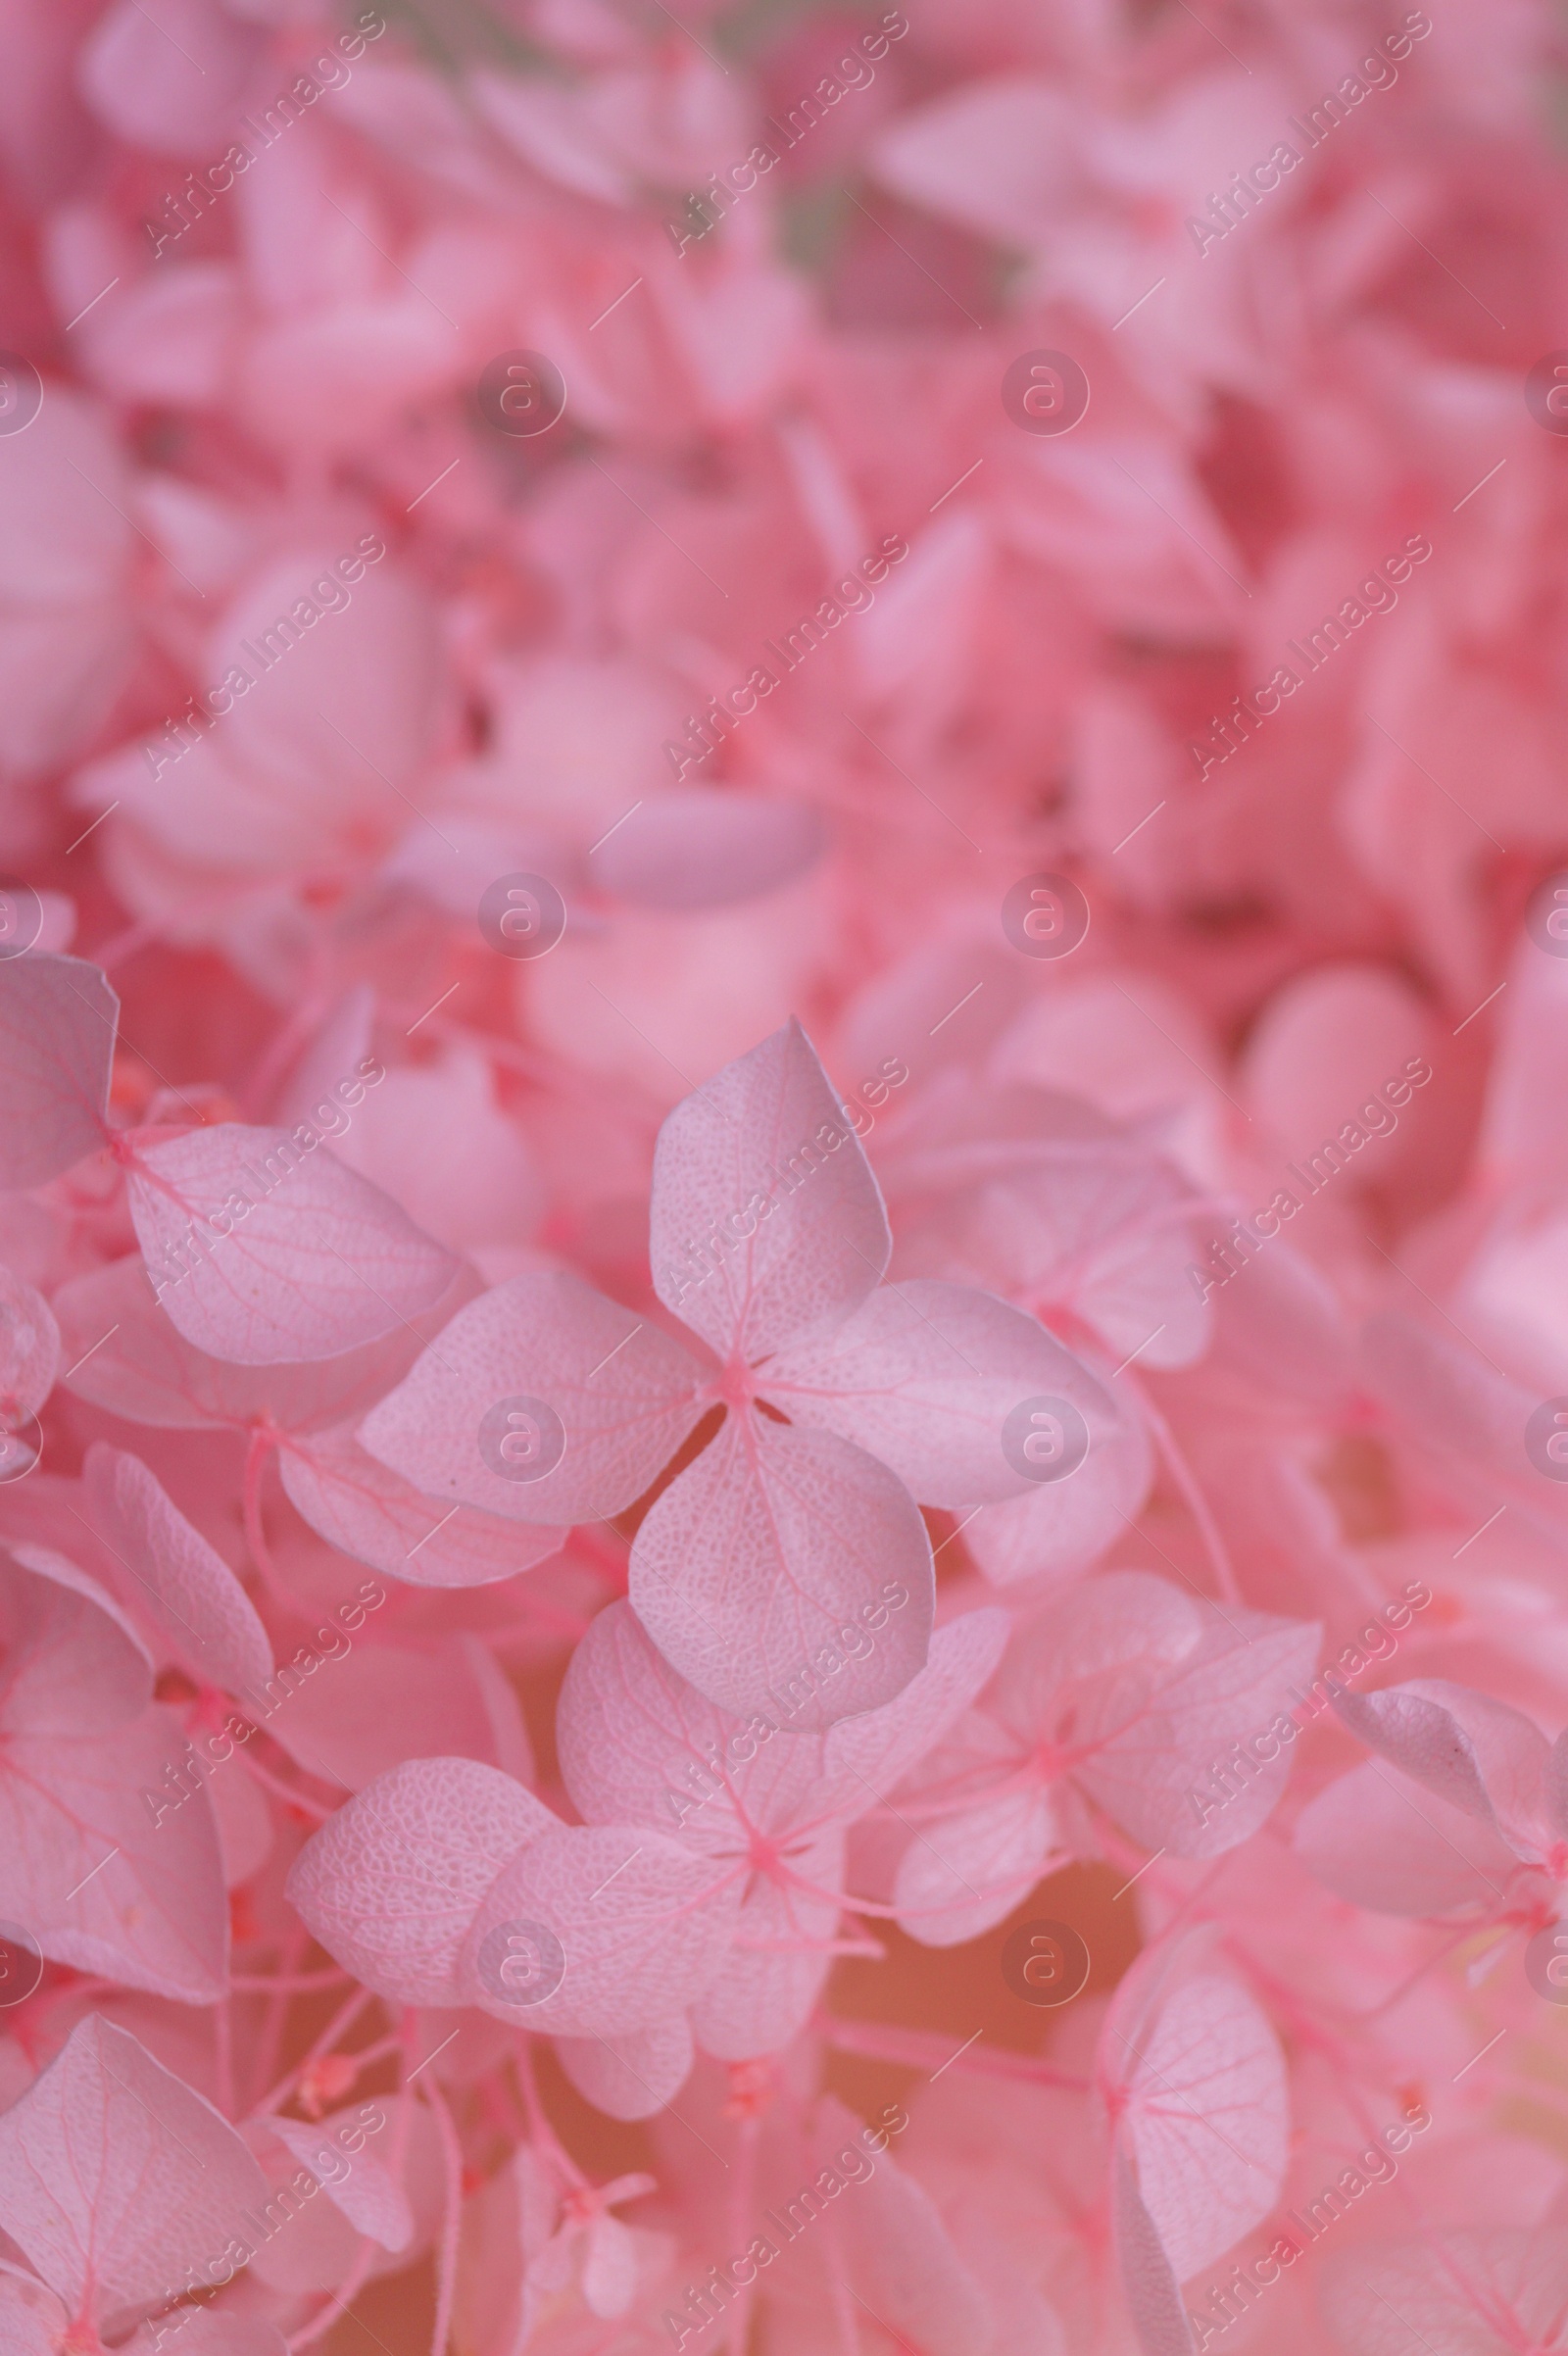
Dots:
(763, 1856)
(734, 1385)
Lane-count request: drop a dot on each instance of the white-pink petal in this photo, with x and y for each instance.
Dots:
(111, 1876)
(633, 1924)
(926, 1375)
(1063, 1526)
(624, 1394)
(57, 1019)
(356, 2181)
(633, 2074)
(30, 1349)
(1383, 1842)
(391, 1883)
(765, 1218)
(1496, 2291)
(365, 1510)
(762, 1571)
(181, 1583)
(116, 2178)
(267, 1252)
(73, 1662)
(1204, 2108)
(866, 1757)
(962, 1874)
(1481, 1755)
(1149, 2283)
(777, 1965)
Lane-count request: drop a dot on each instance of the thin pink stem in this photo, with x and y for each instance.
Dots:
(264, 1440)
(541, 2133)
(743, 2193)
(275, 2017)
(447, 2267)
(919, 2049)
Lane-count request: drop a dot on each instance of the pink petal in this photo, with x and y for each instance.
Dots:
(391, 1883)
(74, 1663)
(1284, 1326)
(340, 1044)
(608, 2267)
(363, 1711)
(623, 1393)
(183, 1585)
(967, 1872)
(246, 1833)
(57, 1018)
(924, 1375)
(110, 1875)
(319, 1263)
(1149, 2286)
(1111, 1642)
(1481, 1756)
(1233, 1691)
(360, 2184)
(1463, 1417)
(765, 1218)
(867, 1756)
(319, 2242)
(114, 2175)
(1078, 1219)
(641, 1926)
(126, 1355)
(1379, 1840)
(32, 2322)
(696, 848)
(1467, 2294)
(776, 1542)
(1206, 2111)
(634, 2074)
(899, 2253)
(634, 1739)
(343, 726)
(1554, 1787)
(30, 1349)
(365, 1510)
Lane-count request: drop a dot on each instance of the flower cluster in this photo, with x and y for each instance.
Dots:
(719, 724)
